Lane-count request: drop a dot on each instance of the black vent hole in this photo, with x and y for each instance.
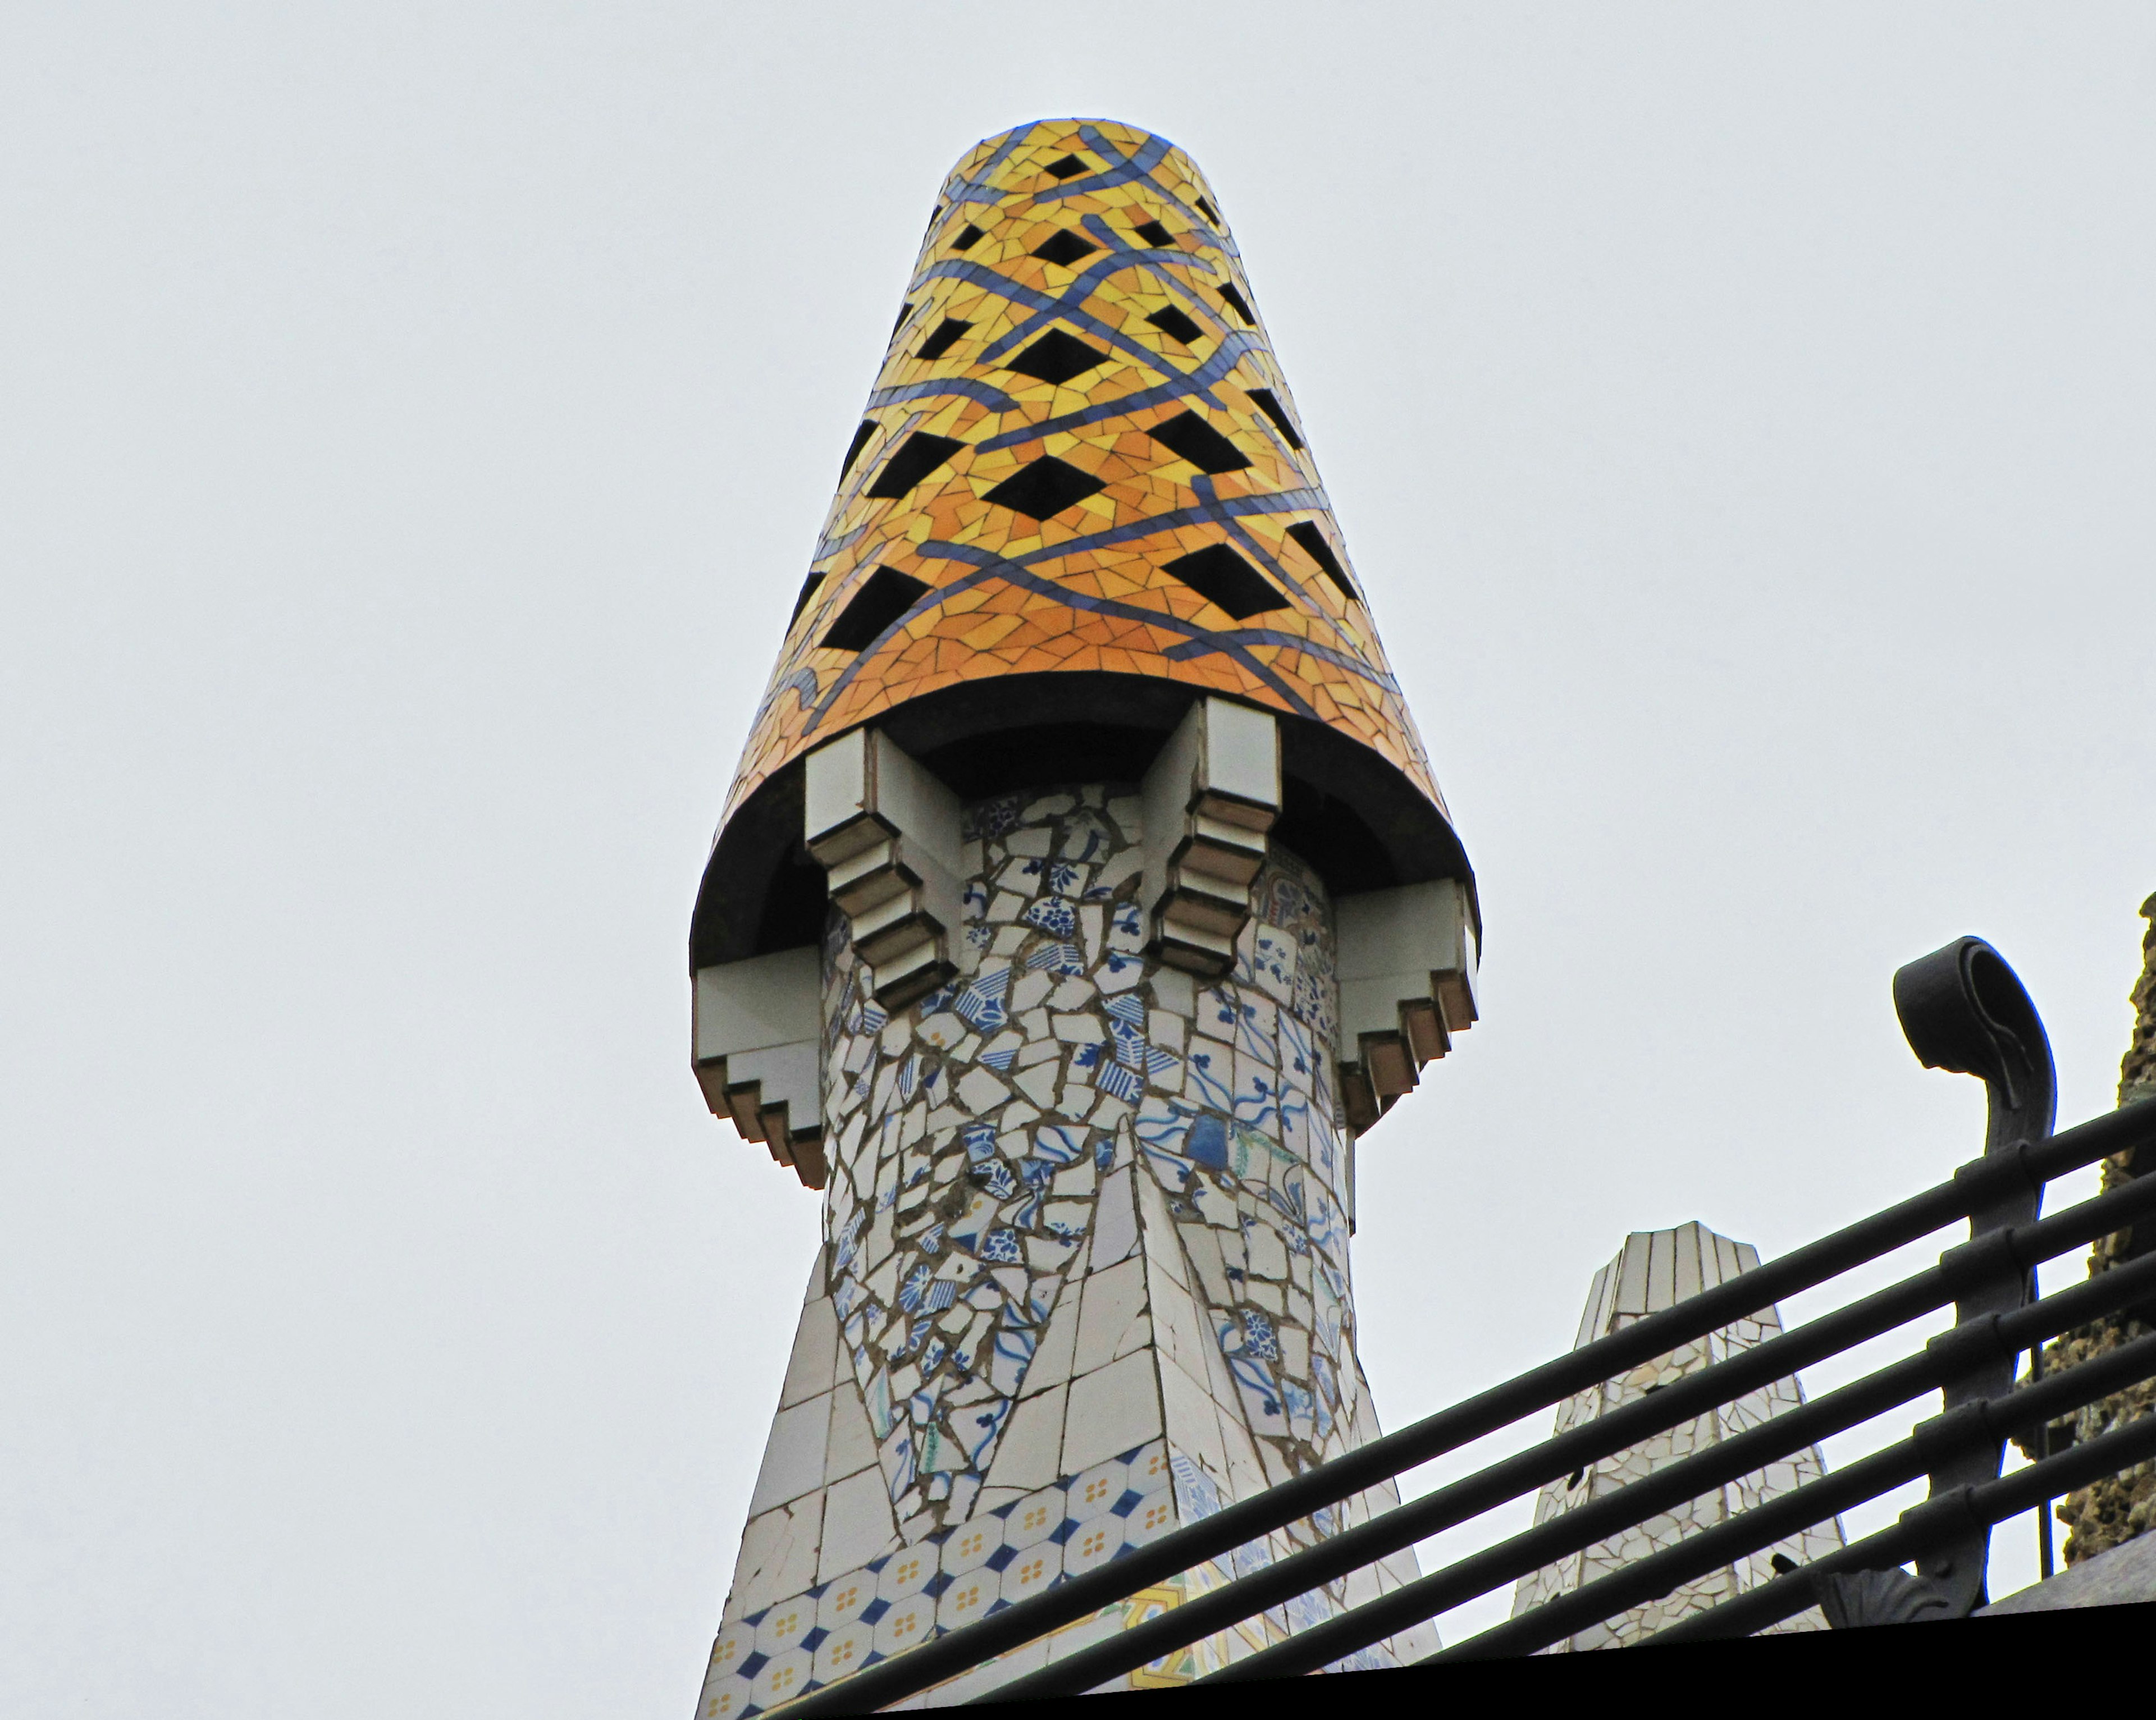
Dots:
(1172, 323)
(1268, 402)
(948, 333)
(1190, 438)
(1064, 247)
(1046, 488)
(1223, 578)
(969, 236)
(807, 591)
(1069, 167)
(1154, 234)
(854, 447)
(883, 598)
(1236, 302)
(1311, 536)
(1208, 212)
(1056, 358)
(917, 456)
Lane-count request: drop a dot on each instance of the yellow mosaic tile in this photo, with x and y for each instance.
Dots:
(1101, 471)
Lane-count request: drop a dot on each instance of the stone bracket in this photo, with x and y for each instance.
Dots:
(1407, 962)
(1209, 798)
(755, 1044)
(886, 834)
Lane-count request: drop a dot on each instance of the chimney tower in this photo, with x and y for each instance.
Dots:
(1083, 895)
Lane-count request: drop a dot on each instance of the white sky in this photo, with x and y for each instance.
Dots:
(416, 419)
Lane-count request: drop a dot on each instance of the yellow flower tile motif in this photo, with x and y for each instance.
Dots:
(1080, 455)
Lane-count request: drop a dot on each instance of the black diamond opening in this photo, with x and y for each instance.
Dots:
(1191, 439)
(1064, 246)
(1268, 402)
(968, 237)
(854, 447)
(1210, 213)
(903, 311)
(1069, 167)
(1154, 234)
(917, 456)
(1235, 302)
(948, 332)
(1056, 358)
(807, 591)
(1172, 323)
(1223, 577)
(1306, 533)
(1045, 489)
(883, 598)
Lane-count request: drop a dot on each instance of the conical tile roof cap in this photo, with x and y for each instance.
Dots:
(1080, 495)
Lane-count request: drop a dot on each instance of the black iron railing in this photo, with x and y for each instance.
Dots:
(1962, 1009)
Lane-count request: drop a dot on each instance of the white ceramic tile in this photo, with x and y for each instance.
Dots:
(1032, 1570)
(910, 1623)
(1036, 1516)
(849, 1446)
(972, 1545)
(812, 1366)
(1113, 1319)
(784, 1677)
(907, 1572)
(1111, 1410)
(844, 1651)
(734, 1645)
(777, 1556)
(793, 1455)
(969, 1597)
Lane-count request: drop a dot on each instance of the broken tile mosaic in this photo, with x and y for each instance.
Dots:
(1080, 346)
(1084, 1277)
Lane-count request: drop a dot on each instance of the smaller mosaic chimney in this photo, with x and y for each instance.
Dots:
(1656, 1270)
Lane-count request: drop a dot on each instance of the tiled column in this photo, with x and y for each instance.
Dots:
(1084, 1273)
(1653, 1270)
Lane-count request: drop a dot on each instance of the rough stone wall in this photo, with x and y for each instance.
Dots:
(2119, 1508)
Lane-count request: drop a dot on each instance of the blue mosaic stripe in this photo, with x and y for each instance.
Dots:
(1050, 307)
(1196, 384)
(1232, 344)
(1202, 641)
(1140, 166)
(987, 393)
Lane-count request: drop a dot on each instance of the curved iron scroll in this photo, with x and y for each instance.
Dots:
(1963, 1009)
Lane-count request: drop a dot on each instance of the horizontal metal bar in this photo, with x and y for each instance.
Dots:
(1657, 1574)
(1972, 1425)
(1974, 1185)
(1456, 1502)
(1673, 1484)
(1992, 1504)
(1682, 1401)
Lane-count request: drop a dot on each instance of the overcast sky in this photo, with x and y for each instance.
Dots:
(416, 420)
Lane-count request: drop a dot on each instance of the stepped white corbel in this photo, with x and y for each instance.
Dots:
(1209, 798)
(886, 832)
(756, 1035)
(1406, 961)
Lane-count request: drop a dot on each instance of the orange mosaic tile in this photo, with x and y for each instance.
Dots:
(1081, 455)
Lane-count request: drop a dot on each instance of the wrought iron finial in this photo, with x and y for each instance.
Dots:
(1963, 1009)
